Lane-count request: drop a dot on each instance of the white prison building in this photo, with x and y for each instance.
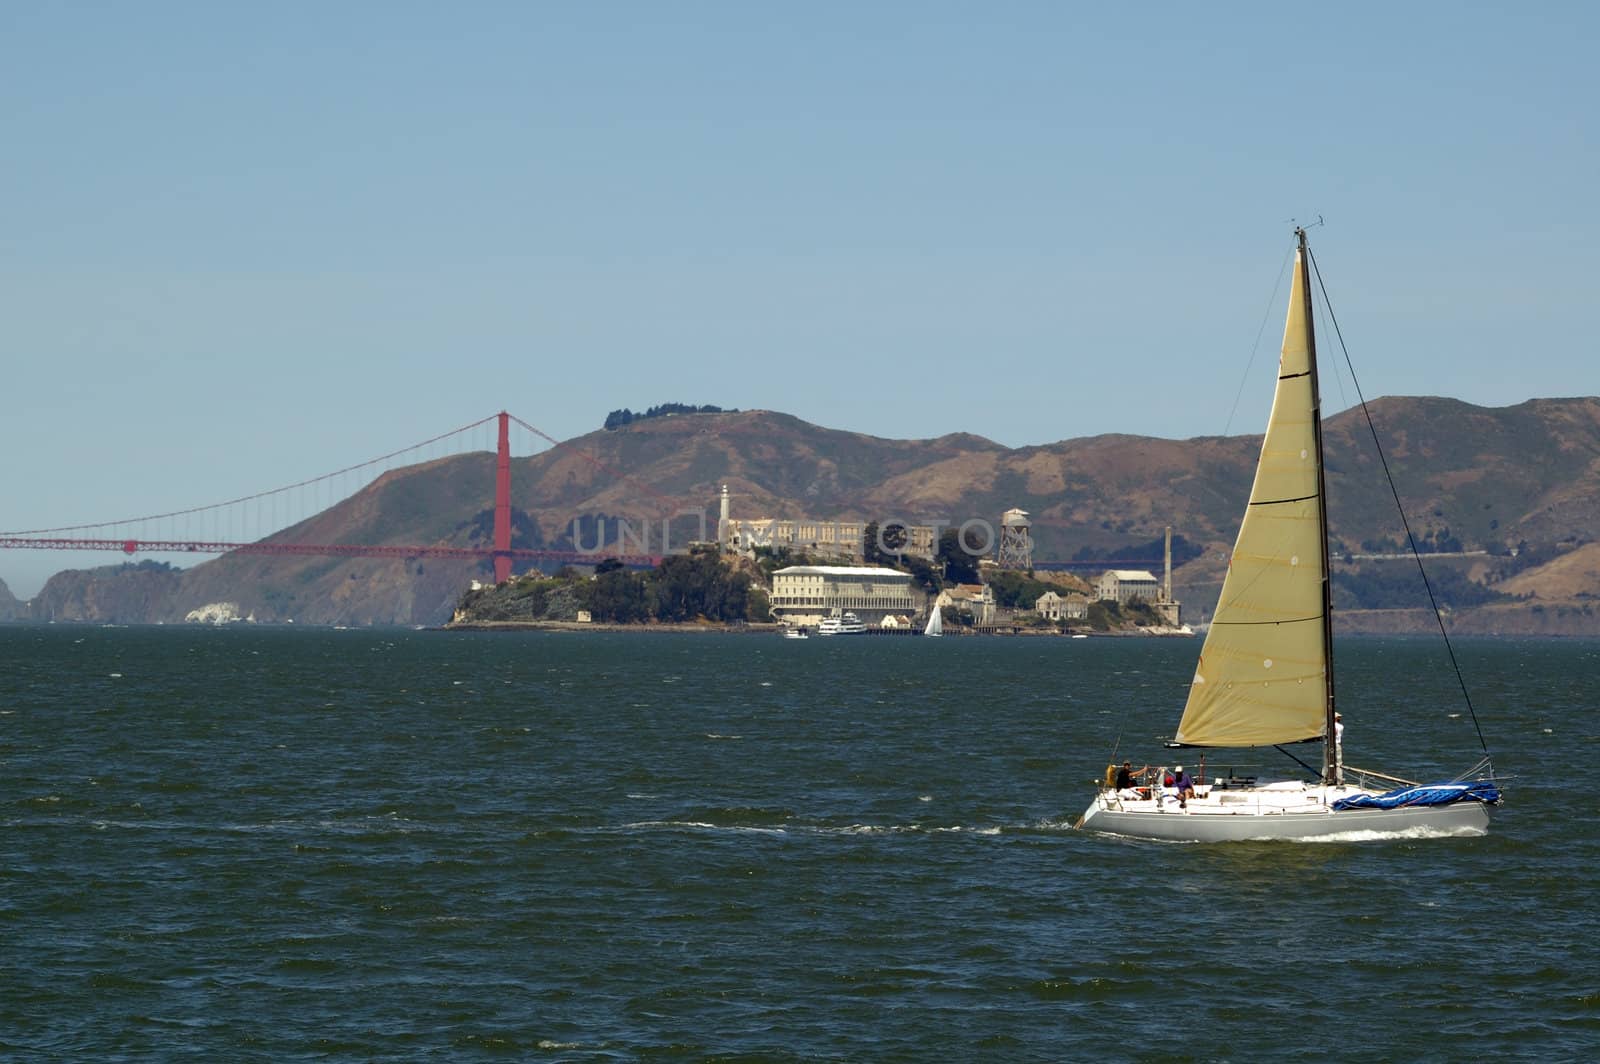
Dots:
(806, 594)
(1120, 585)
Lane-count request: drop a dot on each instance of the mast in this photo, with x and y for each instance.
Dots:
(1329, 747)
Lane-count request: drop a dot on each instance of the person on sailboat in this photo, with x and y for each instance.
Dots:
(1184, 785)
(1127, 778)
(1338, 749)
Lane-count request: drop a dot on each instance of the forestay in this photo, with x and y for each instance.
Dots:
(1262, 675)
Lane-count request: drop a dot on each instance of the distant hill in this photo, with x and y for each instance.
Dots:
(1524, 477)
(10, 608)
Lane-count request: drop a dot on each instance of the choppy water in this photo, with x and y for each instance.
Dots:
(310, 845)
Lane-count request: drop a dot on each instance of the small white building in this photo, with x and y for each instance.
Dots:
(806, 594)
(1053, 606)
(1121, 585)
(977, 598)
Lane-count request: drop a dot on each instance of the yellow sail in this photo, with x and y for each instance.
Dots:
(1261, 678)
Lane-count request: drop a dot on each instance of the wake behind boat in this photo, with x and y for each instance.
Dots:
(1265, 674)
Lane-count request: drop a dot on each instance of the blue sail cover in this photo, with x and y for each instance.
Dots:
(1425, 794)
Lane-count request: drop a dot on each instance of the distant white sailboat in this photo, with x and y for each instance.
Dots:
(935, 623)
(1265, 674)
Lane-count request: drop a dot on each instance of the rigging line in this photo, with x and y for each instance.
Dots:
(1296, 760)
(258, 495)
(1256, 347)
(1338, 377)
(1116, 746)
(1426, 583)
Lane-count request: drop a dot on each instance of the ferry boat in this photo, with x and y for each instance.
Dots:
(847, 624)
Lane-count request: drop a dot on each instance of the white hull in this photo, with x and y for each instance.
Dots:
(1274, 813)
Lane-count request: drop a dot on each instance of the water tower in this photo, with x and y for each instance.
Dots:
(1016, 541)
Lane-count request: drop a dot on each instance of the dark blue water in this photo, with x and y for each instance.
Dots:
(322, 845)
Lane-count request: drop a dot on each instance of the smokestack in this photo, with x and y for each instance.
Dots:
(1166, 580)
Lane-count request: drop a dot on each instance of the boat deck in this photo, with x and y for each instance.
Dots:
(1223, 801)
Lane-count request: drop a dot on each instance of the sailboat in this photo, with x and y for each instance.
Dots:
(935, 622)
(1265, 674)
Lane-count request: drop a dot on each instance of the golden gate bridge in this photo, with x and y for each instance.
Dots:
(159, 533)
(175, 532)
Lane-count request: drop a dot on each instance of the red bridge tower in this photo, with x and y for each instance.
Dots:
(502, 503)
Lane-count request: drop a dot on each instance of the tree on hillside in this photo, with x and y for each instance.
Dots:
(1015, 590)
(687, 587)
(895, 537)
(618, 597)
(618, 418)
(771, 559)
(874, 540)
(960, 565)
(924, 574)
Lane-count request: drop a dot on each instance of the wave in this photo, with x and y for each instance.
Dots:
(1403, 833)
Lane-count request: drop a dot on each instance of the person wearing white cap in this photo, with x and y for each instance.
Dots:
(1183, 785)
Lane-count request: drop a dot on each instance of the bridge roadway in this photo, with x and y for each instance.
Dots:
(342, 550)
(365, 550)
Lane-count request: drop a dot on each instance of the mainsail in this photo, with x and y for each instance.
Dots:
(1263, 672)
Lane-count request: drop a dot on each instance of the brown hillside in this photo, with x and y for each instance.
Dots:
(1572, 576)
(1490, 477)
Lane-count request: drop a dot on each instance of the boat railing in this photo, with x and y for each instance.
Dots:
(1483, 770)
(1362, 775)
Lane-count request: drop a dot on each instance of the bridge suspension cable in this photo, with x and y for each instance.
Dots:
(146, 535)
(324, 478)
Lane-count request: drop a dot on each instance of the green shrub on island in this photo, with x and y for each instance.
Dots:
(1018, 590)
(684, 588)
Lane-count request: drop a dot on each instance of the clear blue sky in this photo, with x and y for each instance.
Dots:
(244, 245)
